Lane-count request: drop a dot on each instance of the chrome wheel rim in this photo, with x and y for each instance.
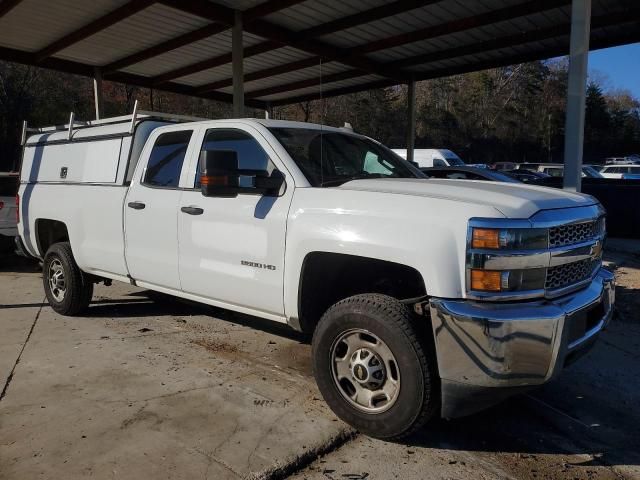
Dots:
(365, 371)
(57, 282)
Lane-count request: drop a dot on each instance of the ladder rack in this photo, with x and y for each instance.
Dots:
(132, 118)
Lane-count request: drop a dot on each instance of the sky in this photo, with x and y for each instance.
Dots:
(618, 67)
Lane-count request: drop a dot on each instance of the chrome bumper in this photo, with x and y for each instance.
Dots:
(487, 351)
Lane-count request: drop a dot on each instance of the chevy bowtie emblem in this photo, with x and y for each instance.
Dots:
(596, 249)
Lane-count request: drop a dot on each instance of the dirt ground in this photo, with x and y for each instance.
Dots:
(145, 386)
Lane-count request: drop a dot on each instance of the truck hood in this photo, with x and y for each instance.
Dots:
(512, 200)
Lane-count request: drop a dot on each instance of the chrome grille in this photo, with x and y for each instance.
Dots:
(570, 273)
(575, 233)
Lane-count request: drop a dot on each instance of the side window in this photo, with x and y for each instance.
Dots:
(166, 159)
(251, 155)
(438, 162)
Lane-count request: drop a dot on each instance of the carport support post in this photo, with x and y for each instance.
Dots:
(411, 119)
(576, 94)
(237, 54)
(97, 92)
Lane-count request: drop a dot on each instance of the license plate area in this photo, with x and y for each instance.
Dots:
(585, 320)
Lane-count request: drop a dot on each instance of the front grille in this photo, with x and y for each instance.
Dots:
(575, 233)
(570, 273)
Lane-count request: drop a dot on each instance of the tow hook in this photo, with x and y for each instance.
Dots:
(420, 305)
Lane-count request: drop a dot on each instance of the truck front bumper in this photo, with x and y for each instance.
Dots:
(489, 351)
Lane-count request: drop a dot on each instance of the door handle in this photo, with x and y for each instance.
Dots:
(192, 210)
(136, 205)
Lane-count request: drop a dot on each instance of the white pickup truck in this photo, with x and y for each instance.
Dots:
(423, 296)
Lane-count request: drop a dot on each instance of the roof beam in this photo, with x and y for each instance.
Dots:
(111, 18)
(167, 46)
(267, 72)
(343, 23)
(267, 8)
(274, 33)
(7, 5)
(18, 56)
(368, 16)
(334, 93)
(212, 62)
(300, 84)
(462, 24)
(600, 21)
(595, 44)
(429, 32)
(214, 28)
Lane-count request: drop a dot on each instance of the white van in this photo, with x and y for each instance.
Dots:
(432, 157)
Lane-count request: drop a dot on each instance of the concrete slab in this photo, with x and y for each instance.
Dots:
(144, 389)
(148, 387)
(20, 301)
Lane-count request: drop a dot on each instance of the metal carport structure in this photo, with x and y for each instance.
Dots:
(264, 53)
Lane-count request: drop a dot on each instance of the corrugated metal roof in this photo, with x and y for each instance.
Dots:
(358, 40)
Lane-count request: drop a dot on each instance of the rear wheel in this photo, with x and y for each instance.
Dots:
(372, 368)
(67, 288)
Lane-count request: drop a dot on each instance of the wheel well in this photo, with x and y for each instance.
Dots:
(49, 232)
(327, 278)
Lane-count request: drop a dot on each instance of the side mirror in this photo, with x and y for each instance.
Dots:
(221, 177)
(219, 173)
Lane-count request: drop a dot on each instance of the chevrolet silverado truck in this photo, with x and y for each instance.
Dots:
(423, 296)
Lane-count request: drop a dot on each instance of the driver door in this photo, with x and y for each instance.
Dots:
(231, 250)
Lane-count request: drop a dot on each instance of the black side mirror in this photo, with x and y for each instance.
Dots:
(221, 176)
(219, 173)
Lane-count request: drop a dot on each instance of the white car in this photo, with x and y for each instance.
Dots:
(8, 206)
(617, 171)
(557, 169)
(424, 296)
(432, 157)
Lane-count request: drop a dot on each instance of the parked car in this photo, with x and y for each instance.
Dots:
(503, 166)
(467, 173)
(432, 157)
(423, 296)
(632, 160)
(557, 169)
(8, 221)
(525, 175)
(617, 171)
(631, 176)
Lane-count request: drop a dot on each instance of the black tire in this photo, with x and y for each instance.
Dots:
(78, 286)
(391, 321)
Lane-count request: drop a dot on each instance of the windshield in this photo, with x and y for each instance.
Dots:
(332, 158)
(591, 172)
(455, 161)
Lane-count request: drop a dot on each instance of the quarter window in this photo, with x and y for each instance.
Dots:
(166, 159)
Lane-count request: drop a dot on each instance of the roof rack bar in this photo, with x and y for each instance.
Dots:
(133, 117)
(23, 137)
(140, 115)
(71, 126)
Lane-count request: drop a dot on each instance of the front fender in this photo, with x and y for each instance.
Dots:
(427, 234)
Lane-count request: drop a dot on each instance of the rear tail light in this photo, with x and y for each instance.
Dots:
(1, 205)
(17, 208)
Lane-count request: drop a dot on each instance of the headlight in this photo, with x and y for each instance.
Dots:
(507, 280)
(509, 238)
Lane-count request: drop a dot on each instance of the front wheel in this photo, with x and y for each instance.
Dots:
(67, 288)
(372, 368)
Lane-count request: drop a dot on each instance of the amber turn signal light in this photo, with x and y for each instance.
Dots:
(486, 280)
(485, 238)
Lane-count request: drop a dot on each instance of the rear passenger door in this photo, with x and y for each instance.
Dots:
(151, 209)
